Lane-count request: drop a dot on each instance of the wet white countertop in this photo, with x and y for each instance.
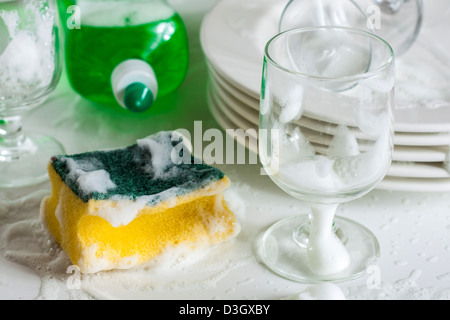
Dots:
(413, 228)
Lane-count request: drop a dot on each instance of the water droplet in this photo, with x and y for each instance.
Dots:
(230, 291)
(401, 263)
(246, 281)
(444, 277)
(406, 201)
(394, 220)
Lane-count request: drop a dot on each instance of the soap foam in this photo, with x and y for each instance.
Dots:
(345, 166)
(27, 63)
(292, 147)
(326, 254)
(161, 152)
(323, 291)
(27, 242)
(89, 175)
(121, 212)
(312, 174)
(103, 263)
(344, 144)
(292, 105)
(164, 148)
(95, 181)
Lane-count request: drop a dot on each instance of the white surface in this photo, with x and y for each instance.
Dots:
(412, 227)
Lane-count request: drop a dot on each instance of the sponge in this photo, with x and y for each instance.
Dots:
(122, 208)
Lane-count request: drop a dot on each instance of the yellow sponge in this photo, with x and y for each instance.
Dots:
(121, 208)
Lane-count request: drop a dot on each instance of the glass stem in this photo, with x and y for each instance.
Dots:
(301, 235)
(11, 138)
(321, 219)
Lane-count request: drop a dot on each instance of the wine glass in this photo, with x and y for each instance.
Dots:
(343, 13)
(397, 21)
(30, 68)
(325, 138)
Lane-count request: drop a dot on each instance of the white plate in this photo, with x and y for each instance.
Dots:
(231, 87)
(415, 185)
(245, 119)
(409, 154)
(401, 153)
(411, 162)
(248, 107)
(418, 170)
(239, 121)
(401, 177)
(245, 27)
(226, 123)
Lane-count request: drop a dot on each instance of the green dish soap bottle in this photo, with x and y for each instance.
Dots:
(124, 52)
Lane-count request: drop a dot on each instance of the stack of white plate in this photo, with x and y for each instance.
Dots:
(233, 36)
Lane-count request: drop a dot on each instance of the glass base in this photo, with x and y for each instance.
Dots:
(26, 164)
(278, 249)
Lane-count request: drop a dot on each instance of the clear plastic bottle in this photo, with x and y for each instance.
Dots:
(124, 52)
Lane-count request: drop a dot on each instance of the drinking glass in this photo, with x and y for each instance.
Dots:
(397, 21)
(30, 68)
(325, 138)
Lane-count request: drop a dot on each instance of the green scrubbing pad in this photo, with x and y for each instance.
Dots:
(135, 171)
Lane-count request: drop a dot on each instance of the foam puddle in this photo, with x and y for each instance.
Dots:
(25, 241)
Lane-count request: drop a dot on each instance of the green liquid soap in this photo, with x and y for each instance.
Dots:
(112, 32)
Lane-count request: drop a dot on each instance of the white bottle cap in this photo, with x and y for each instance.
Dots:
(134, 85)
